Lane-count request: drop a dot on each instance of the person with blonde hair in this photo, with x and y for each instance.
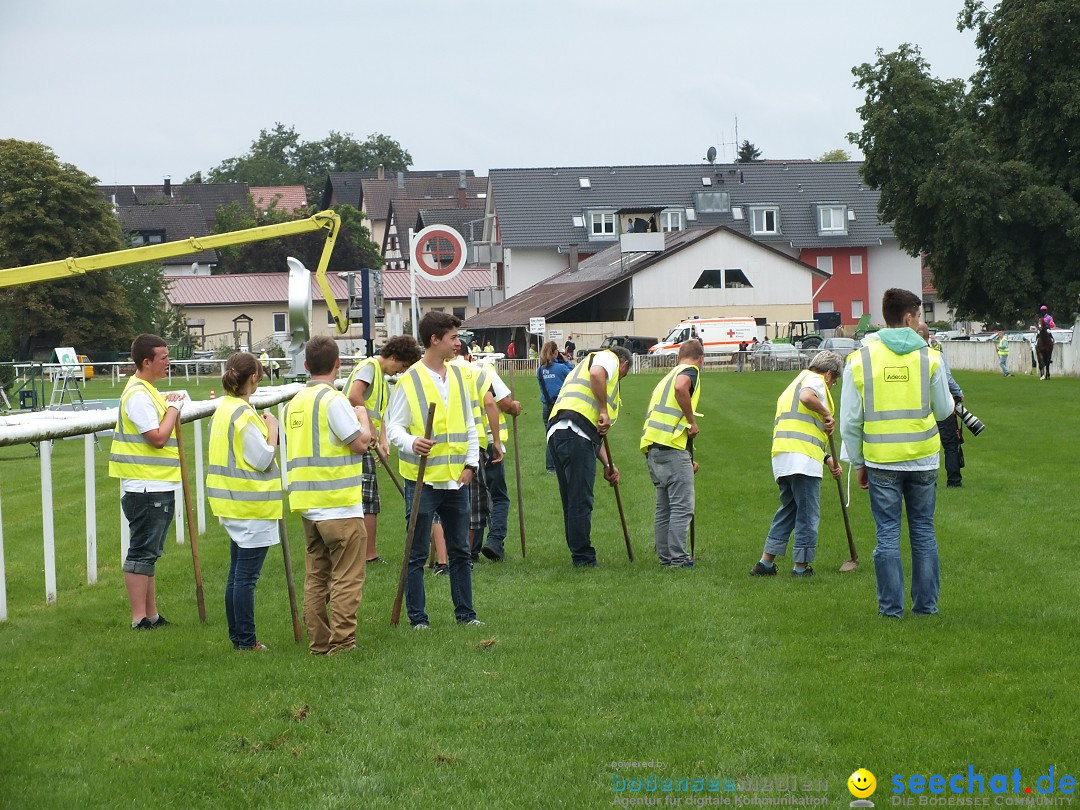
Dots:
(243, 485)
(550, 375)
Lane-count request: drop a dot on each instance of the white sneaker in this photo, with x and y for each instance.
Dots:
(420, 626)
(474, 623)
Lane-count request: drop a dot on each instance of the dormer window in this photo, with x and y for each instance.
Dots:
(764, 219)
(671, 220)
(832, 219)
(712, 202)
(602, 225)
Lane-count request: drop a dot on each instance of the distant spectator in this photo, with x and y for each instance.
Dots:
(570, 348)
(511, 350)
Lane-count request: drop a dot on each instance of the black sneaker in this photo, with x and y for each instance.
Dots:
(375, 560)
(491, 554)
(143, 624)
(809, 572)
(761, 570)
(160, 621)
(440, 570)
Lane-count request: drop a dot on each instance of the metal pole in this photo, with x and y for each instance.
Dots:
(91, 509)
(45, 449)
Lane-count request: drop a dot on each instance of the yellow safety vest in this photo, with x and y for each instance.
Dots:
(450, 430)
(234, 488)
(797, 429)
(1003, 347)
(483, 383)
(131, 455)
(472, 388)
(577, 396)
(898, 422)
(321, 473)
(665, 422)
(377, 396)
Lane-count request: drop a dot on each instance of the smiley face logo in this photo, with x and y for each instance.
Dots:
(861, 783)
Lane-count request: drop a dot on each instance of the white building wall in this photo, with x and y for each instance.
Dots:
(888, 266)
(524, 267)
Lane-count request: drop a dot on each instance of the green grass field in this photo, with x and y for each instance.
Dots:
(703, 674)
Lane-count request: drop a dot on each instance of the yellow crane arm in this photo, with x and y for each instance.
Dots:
(66, 268)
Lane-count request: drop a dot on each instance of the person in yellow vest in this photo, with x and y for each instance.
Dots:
(1003, 353)
(367, 388)
(489, 347)
(243, 485)
(667, 440)
(496, 402)
(146, 459)
(453, 454)
(805, 418)
(894, 393)
(325, 440)
(586, 409)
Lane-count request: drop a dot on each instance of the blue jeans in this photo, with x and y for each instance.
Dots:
(890, 492)
(1003, 361)
(500, 503)
(549, 459)
(672, 473)
(452, 507)
(245, 565)
(800, 511)
(149, 514)
(575, 467)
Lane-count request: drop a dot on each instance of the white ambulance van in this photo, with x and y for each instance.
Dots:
(717, 335)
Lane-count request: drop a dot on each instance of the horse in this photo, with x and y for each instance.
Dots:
(1044, 350)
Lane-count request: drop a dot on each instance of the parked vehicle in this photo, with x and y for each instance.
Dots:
(717, 335)
(842, 346)
(776, 357)
(636, 344)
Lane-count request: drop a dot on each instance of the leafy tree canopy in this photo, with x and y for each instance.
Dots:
(748, 153)
(835, 156)
(985, 178)
(353, 250)
(279, 158)
(51, 210)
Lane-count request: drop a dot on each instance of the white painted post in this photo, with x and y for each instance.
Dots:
(200, 479)
(281, 445)
(91, 509)
(3, 575)
(45, 448)
(178, 510)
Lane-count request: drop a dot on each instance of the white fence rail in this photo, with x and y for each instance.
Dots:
(45, 427)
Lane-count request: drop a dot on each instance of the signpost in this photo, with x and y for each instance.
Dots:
(439, 253)
(538, 326)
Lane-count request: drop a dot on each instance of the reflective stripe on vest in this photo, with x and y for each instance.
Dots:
(898, 422)
(234, 488)
(449, 429)
(665, 422)
(472, 375)
(484, 381)
(321, 473)
(131, 455)
(576, 394)
(797, 429)
(377, 396)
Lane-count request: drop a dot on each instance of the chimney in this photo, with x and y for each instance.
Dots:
(573, 259)
(401, 179)
(168, 187)
(462, 188)
(382, 172)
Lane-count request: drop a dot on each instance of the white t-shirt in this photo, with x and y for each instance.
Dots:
(344, 427)
(800, 463)
(142, 412)
(610, 363)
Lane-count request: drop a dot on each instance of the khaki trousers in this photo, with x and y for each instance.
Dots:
(334, 563)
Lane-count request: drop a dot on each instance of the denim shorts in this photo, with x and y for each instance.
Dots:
(149, 514)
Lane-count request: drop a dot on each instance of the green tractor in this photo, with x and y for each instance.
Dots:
(804, 334)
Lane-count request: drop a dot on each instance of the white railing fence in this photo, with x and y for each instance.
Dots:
(45, 427)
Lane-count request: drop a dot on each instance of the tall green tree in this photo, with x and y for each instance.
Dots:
(748, 153)
(278, 157)
(353, 249)
(50, 210)
(985, 180)
(835, 156)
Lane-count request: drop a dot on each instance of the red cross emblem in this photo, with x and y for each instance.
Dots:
(731, 333)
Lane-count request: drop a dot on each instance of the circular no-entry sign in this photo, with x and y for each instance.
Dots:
(438, 252)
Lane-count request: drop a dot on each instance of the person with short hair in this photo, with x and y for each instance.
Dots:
(667, 442)
(326, 440)
(804, 421)
(367, 388)
(243, 486)
(1003, 352)
(146, 458)
(586, 409)
(894, 394)
(453, 454)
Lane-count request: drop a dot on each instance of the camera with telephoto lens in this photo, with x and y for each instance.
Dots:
(974, 423)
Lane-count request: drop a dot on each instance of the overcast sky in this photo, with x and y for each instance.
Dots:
(132, 91)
